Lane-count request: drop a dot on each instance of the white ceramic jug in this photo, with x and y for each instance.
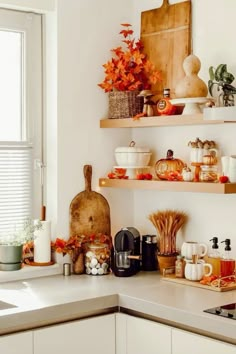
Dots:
(191, 248)
(196, 271)
(229, 167)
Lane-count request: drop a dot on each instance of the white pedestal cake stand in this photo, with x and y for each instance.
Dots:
(191, 105)
(132, 171)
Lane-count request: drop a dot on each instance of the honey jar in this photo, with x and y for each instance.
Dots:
(208, 173)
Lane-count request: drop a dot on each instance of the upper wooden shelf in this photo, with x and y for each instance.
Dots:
(173, 186)
(159, 121)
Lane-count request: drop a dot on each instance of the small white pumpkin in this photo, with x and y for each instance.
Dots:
(187, 174)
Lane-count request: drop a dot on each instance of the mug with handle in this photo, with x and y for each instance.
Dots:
(196, 271)
(191, 248)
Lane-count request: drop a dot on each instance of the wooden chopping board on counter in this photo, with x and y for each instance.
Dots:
(166, 36)
(89, 210)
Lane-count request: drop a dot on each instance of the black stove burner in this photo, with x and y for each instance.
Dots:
(227, 311)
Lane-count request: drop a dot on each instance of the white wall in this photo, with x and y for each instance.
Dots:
(87, 30)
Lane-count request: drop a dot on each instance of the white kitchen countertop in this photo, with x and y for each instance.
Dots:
(58, 298)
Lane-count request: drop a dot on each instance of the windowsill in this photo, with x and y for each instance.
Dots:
(28, 272)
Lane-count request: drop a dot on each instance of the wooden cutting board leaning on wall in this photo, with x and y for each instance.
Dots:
(166, 36)
(89, 211)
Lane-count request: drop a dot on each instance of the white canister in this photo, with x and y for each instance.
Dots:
(42, 243)
(191, 248)
(196, 271)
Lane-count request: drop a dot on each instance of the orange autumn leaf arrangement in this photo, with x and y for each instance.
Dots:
(60, 245)
(129, 69)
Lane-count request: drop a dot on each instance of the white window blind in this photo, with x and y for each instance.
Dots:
(20, 118)
(15, 187)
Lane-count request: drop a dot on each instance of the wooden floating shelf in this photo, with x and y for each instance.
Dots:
(173, 186)
(159, 121)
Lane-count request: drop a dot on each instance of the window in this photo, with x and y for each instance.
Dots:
(20, 118)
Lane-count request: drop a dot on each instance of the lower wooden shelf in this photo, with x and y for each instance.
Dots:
(174, 186)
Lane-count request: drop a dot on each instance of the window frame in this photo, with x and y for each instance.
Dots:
(31, 25)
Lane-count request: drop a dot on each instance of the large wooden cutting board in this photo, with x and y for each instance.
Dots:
(89, 211)
(166, 35)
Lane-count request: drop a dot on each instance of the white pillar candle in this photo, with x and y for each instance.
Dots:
(42, 243)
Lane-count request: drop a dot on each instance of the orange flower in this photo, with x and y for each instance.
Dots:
(130, 69)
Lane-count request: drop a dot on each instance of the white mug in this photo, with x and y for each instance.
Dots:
(190, 248)
(196, 271)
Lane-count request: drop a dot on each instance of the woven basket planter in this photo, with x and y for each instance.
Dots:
(124, 104)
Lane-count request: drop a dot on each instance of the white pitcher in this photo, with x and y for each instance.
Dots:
(191, 248)
(229, 167)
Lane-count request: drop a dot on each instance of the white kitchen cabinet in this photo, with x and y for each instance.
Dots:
(141, 336)
(93, 335)
(20, 343)
(183, 342)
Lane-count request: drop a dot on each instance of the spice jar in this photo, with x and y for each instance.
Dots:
(208, 173)
(179, 267)
(97, 258)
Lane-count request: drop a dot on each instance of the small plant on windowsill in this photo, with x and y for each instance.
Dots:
(23, 235)
(128, 72)
(11, 245)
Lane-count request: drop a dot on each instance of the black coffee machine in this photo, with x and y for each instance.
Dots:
(126, 252)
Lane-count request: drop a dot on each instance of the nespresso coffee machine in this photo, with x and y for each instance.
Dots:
(126, 252)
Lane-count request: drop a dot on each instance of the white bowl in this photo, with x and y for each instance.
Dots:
(131, 156)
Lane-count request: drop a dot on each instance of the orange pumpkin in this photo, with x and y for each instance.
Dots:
(165, 167)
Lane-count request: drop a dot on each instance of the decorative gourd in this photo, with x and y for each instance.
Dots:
(191, 85)
(187, 174)
(164, 167)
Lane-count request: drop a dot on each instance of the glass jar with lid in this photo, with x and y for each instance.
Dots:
(208, 173)
(97, 258)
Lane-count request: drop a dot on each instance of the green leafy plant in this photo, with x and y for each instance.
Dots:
(23, 235)
(222, 79)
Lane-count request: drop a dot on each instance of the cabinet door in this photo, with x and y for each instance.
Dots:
(94, 335)
(183, 341)
(121, 329)
(144, 336)
(20, 343)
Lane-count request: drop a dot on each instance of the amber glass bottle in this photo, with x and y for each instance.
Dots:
(164, 106)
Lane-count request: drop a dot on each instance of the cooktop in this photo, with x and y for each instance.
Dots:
(227, 311)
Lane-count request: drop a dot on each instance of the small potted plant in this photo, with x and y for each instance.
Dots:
(222, 79)
(127, 73)
(11, 245)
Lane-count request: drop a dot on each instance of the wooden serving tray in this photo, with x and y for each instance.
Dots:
(183, 281)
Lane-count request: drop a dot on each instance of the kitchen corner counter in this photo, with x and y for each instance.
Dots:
(53, 299)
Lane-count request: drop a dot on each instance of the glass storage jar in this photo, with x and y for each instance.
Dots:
(97, 258)
(208, 173)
